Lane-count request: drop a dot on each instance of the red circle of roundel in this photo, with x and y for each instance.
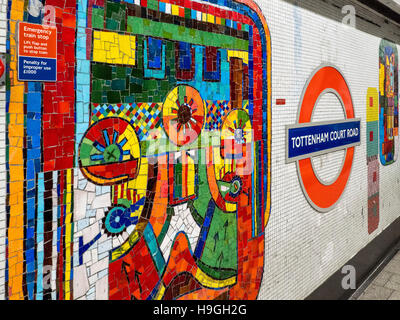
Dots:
(325, 196)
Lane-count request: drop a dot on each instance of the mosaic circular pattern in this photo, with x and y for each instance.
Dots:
(110, 152)
(117, 220)
(236, 187)
(183, 115)
(236, 132)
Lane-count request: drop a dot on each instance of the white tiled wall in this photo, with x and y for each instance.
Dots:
(305, 247)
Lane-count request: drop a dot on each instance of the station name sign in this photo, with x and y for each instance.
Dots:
(37, 52)
(311, 139)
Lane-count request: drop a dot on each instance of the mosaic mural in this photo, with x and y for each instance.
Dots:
(372, 158)
(382, 130)
(389, 102)
(143, 172)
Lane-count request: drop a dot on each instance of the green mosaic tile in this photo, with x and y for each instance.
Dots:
(98, 18)
(152, 4)
(115, 16)
(179, 33)
(102, 71)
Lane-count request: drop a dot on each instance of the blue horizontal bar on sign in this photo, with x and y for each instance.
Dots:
(307, 139)
(37, 69)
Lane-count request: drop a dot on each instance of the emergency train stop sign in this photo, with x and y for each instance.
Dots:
(37, 52)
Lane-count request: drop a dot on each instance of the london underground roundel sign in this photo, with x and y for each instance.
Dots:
(307, 139)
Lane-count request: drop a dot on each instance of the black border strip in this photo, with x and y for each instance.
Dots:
(382, 9)
(365, 261)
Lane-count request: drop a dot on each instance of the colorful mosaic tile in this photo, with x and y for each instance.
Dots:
(389, 102)
(142, 172)
(111, 47)
(144, 117)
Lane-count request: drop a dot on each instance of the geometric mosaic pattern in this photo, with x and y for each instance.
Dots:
(372, 138)
(143, 116)
(388, 102)
(217, 111)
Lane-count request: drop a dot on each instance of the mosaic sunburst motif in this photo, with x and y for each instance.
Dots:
(183, 115)
(236, 132)
(109, 152)
(112, 150)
